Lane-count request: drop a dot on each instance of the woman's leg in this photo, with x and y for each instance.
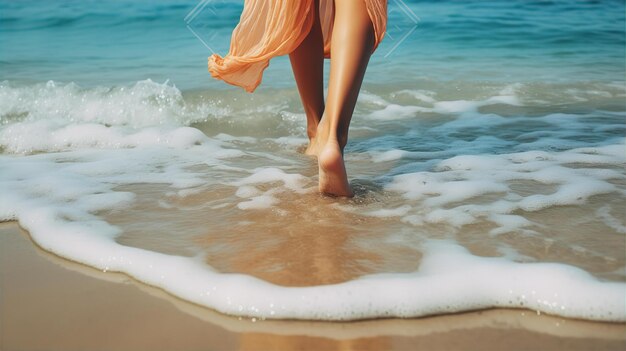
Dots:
(352, 42)
(307, 62)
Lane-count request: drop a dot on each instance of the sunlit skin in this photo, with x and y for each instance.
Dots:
(328, 121)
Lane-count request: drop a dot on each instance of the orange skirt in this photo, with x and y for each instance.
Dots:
(269, 28)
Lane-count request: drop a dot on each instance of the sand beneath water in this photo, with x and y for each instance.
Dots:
(48, 303)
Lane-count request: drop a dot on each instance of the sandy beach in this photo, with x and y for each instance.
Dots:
(49, 303)
(145, 205)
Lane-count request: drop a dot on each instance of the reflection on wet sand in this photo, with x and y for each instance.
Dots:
(255, 341)
(300, 246)
(21, 252)
(296, 242)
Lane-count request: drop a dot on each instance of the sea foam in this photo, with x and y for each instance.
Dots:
(62, 218)
(55, 117)
(94, 151)
(461, 178)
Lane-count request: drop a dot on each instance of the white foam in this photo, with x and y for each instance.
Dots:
(390, 155)
(295, 182)
(23, 138)
(290, 141)
(367, 97)
(391, 111)
(421, 95)
(265, 200)
(56, 117)
(100, 139)
(440, 196)
(247, 191)
(395, 212)
(143, 104)
(61, 219)
(456, 106)
(449, 280)
(507, 223)
(394, 111)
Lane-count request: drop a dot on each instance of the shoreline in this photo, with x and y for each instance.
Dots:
(39, 287)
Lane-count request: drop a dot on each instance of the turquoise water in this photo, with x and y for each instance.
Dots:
(115, 42)
(487, 154)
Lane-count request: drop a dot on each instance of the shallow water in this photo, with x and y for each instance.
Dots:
(496, 186)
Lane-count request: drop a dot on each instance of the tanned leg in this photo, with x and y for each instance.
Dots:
(351, 46)
(307, 62)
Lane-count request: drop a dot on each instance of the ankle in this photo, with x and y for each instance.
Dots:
(312, 123)
(342, 140)
(338, 140)
(325, 134)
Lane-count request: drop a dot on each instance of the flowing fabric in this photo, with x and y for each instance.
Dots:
(270, 28)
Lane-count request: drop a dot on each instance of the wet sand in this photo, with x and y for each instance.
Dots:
(48, 303)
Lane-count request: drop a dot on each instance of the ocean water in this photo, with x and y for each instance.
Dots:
(487, 154)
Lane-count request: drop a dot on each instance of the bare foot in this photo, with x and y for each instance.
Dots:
(333, 179)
